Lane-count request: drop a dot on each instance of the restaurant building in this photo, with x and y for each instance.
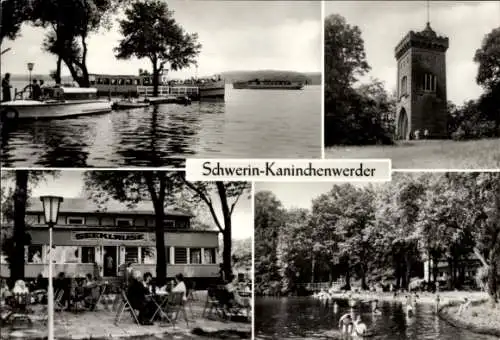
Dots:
(99, 240)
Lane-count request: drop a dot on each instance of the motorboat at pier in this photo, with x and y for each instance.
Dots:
(56, 102)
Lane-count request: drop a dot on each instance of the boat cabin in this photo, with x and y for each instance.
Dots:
(69, 93)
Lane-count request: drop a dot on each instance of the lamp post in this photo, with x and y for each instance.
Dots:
(51, 206)
(30, 68)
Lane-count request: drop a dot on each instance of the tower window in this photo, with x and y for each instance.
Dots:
(429, 82)
(404, 86)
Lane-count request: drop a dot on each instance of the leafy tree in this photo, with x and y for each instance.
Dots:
(488, 76)
(132, 187)
(70, 24)
(228, 194)
(150, 31)
(12, 14)
(268, 219)
(353, 116)
(16, 202)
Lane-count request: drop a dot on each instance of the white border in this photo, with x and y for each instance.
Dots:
(323, 79)
(252, 214)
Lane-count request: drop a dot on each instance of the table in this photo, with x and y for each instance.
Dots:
(160, 300)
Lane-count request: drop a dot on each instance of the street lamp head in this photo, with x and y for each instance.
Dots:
(51, 205)
(30, 66)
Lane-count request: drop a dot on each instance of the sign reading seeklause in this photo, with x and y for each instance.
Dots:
(111, 236)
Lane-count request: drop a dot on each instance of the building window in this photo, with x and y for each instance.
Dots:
(75, 220)
(209, 255)
(195, 256)
(429, 82)
(123, 222)
(88, 254)
(148, 255)
(404, 86)
(167, 254)
(168, 224)
(34, 254)
(180, 255)
(131, 254)
(66, 254)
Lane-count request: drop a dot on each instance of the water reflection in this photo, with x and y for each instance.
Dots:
(306, 318)
(250, 124)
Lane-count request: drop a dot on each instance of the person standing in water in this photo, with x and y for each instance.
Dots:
(375, 309)
(359, 329)
(346, 324)
(6, 88)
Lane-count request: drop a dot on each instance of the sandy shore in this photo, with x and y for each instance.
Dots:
(426, 298)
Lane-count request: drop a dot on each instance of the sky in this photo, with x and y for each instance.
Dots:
(297, 195)
(70, 184)
(236, 35)
(384, 23)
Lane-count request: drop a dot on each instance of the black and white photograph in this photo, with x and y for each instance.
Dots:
(414, 81)
(150, 83)
(120, 254)
(414, 258)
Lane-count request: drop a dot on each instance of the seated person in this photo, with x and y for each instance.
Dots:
(91, 291)
(5, 293)
(180, 286)
(62, 283)
(139, 299)
(148, 282)
(19, 291)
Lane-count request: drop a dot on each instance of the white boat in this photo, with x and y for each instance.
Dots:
(56, 102)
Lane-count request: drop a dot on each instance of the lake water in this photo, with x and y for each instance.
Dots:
(250, 124)
(307, 318)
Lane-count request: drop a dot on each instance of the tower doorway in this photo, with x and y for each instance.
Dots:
(402, 127)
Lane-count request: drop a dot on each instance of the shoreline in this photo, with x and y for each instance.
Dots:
(472, 320)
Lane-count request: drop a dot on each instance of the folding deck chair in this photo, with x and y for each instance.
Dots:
(58, 304)
(213, 303)
(175, 304)
(123, 306)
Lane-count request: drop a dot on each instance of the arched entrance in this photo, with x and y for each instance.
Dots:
(402, 127)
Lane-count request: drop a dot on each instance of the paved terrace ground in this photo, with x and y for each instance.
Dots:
(100, 325)
(429, 154)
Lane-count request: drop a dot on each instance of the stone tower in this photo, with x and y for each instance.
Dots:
(421, 89)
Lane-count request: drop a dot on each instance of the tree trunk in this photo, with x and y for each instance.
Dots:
(347, 275)
(364, 286)
(493, 274)
(313, 268)
(450, 273)
(227, 234)
(20, 201)
(158, 199)
(155, 78)
(57, 75)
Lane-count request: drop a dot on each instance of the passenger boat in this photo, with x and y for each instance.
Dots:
(268, 85)
(56, 102)
(212, 89)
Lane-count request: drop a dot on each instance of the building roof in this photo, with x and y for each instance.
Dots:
(83, 205)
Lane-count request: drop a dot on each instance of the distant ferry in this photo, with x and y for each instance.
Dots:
(268, 85)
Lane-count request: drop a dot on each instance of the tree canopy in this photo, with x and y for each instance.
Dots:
(150, 31)
(383, 234)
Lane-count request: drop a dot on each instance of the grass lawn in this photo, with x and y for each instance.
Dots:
(428, 154)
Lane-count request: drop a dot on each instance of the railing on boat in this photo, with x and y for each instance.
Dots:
(147, 91)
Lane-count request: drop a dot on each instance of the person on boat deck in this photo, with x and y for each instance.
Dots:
(359, 328)
(6, 88)
(36, 90)
(346, 324)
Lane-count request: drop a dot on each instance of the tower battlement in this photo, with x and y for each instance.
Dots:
(427, 39)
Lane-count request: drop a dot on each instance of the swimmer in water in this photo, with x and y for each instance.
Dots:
(335, 307)
(408, 306)
(346, 324)
(359, 330)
